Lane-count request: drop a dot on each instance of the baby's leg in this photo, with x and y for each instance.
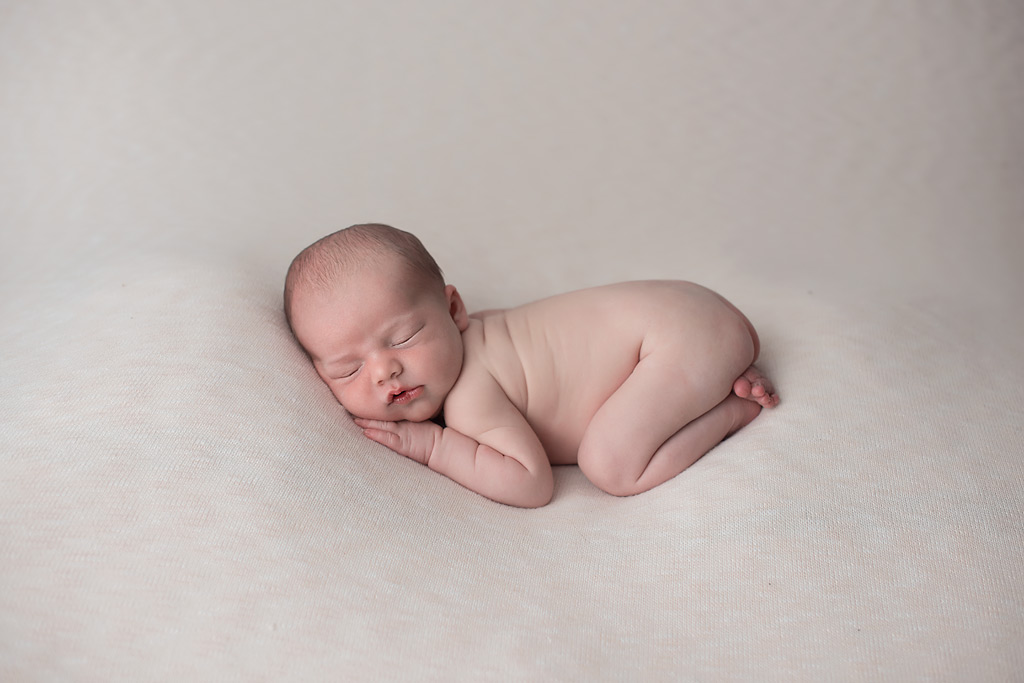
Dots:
(668, 413)
(691, 442)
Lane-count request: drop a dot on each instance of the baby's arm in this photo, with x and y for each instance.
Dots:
(503, 460)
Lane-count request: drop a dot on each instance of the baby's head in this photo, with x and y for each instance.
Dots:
(371, 308)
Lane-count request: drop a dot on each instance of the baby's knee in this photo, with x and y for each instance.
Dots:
(606, 472)
(613, 483)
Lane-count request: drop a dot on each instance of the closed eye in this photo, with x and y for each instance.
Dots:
(348, 373)
(407, 339)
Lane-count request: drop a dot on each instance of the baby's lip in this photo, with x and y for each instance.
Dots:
(401, 396)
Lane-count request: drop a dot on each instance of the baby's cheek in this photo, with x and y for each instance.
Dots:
(356, 404)
(448, 358)
(339, 395)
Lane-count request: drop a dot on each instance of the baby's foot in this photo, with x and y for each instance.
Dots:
(754, 386)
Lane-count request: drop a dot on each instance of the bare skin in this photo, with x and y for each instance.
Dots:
(756, 387)
(633, 382)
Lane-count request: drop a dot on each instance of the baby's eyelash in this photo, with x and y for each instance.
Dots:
(346, 375)
(407, 339)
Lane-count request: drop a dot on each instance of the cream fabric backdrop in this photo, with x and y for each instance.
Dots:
(181, 499)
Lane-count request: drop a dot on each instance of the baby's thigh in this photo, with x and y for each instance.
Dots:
(681, 375)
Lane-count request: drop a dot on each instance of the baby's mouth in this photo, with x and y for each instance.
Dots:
(405, 395)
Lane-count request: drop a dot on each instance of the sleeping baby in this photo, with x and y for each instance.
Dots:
(633, 382)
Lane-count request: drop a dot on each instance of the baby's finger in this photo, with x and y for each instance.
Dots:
(374, 424)
(384, 438)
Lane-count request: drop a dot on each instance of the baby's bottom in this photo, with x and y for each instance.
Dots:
(661, 420)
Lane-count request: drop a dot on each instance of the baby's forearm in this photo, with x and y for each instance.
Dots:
(490, 473)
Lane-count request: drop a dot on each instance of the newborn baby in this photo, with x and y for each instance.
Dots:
(633, 381)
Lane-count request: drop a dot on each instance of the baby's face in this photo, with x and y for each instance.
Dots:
(387, 350)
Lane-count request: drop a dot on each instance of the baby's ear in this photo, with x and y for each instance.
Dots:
(456, 307)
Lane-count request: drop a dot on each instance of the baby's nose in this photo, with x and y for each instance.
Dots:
(388, 369)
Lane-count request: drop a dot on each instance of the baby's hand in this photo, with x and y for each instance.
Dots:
(414, 440)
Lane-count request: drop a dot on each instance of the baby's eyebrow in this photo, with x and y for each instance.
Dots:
(399, 327)
(335, 362)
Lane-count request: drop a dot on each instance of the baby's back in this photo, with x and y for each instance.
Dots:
(560, 358)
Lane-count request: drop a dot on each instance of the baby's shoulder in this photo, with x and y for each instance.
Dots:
(491, 362)
(477, 396)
